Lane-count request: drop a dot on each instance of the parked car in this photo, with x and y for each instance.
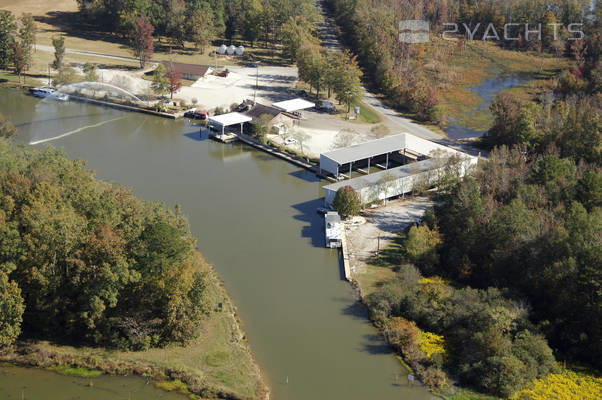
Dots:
(326, 106)
(195, 113)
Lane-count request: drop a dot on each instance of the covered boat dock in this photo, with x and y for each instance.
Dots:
(380, 153)
(220, 122)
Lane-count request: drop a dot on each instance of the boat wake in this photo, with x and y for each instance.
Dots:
(83, 128)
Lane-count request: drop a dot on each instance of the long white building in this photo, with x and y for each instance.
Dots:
(396, 181)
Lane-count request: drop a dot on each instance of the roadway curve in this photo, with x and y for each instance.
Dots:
(330, 42)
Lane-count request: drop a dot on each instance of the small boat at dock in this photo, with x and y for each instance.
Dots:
(42, 91)
(333, 230)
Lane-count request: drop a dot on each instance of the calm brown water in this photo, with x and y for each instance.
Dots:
(35, 384)
(255, 220)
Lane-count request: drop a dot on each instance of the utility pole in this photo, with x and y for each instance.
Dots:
(256, 82)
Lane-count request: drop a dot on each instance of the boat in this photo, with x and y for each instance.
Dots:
(333, 230)
(42, 91)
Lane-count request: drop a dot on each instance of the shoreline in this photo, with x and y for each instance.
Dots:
(46, 355)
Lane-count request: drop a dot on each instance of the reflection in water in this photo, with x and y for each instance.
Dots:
(256, 222)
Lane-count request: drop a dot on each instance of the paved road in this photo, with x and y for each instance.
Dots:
(85, 53)
(395, 120)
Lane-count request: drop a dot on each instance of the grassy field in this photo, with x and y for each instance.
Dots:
(61, 17)
(368, 115)
(461, 69)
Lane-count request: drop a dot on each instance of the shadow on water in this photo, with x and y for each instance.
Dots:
(308, 214)
(372, 343)
(341, 265)
(197, 136)
(306, 175)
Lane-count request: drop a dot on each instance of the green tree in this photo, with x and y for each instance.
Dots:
(176, 21)
(348, 86)
(252, 21)
(160, 83)
(66, 76)
(346, 202)
(420, 247)
(59, 51)
(7, 129)
(295, 31)
(514, 122)
(95, 265)
(261, 127)
(589, 190)
(27, 36)
(8, 26)
(90, 72)
(201, 28)
(11, 310)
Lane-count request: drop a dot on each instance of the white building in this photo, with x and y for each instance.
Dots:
(391, 182)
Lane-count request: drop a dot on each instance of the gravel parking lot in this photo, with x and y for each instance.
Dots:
(384, 222)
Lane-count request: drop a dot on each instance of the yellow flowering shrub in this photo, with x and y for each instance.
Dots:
(431, 343)
(567, 385)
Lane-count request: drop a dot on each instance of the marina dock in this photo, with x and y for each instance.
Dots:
(345, 254)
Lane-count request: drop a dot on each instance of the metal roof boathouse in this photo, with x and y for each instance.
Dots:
(389, 182)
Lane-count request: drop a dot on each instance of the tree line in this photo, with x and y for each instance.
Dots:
(567, 117)
(85, 261)
(401, 70)
(517, 246)
(17, 41)
(199, 21)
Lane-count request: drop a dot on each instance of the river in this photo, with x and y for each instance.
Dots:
(255, 220)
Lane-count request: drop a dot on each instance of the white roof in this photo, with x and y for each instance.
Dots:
(362, 151)
(293, 105)
(230, 119)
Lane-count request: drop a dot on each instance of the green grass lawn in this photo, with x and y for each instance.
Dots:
(368, 115)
